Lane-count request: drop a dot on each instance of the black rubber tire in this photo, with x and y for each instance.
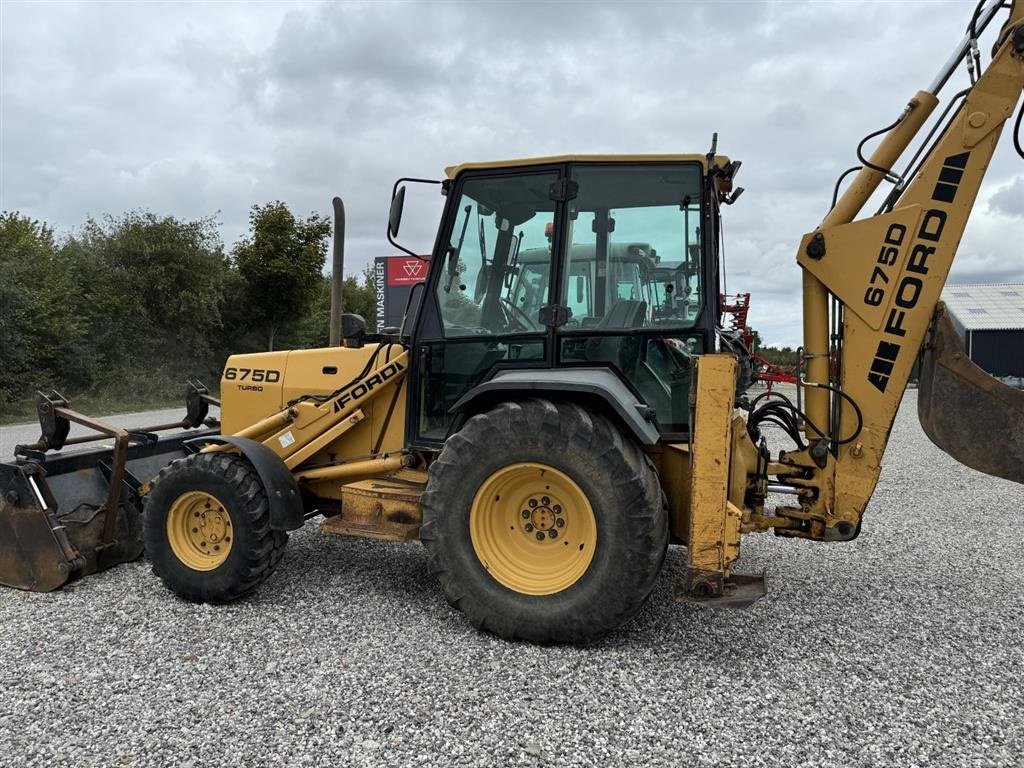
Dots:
(621, 485)
(257, 548)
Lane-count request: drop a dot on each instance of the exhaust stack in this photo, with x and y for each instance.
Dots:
(337, 271)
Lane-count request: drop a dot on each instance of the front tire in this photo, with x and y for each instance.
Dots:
(207, 528)
(544, 522)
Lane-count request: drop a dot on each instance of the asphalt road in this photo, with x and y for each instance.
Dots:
(902, 648)
(13, 434)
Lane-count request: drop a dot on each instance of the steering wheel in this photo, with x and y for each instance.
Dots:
(518, 315)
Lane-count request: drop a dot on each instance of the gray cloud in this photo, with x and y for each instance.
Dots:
(1009, 199)
(193, 109)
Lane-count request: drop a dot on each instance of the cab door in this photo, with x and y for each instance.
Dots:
(490, 277)
(634, 231)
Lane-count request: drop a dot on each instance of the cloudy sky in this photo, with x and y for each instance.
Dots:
(204, 109)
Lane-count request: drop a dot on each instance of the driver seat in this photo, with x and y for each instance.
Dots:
(625, 313)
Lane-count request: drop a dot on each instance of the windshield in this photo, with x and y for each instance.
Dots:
(486, 286)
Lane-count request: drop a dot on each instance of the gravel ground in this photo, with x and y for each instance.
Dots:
(902, 648)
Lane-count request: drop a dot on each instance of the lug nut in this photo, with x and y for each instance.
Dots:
(540, 535)
(545, 500)
(529, 527)
(533, 503)
(557, 509)
(526, 514)
(195, 530)
(560, 523)
(553, 533)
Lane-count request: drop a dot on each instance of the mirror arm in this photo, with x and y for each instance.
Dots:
(394, 191)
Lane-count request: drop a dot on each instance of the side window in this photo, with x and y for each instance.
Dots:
(636, 232)
(673, 276)
(497, 269)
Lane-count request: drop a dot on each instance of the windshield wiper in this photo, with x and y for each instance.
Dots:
(453, 253)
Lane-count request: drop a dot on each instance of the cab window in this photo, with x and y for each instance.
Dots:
(634, 232)
(497, 265)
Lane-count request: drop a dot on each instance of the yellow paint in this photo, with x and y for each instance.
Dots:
(199, 531)
(815, 292)
(674, 470)
(929, 222)
(533, 529)
(319, 438)
(454, 170)
(714, 535)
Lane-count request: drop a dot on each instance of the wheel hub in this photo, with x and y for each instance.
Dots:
(533, 528)
(199, 530)
(543, 516)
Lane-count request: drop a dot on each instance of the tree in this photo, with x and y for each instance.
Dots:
(280, 262)
(38, 324)
(784, 357)
(360, 296)
(150, 293)
(357, 297)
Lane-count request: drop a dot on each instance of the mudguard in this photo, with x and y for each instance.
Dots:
(286, 510)
(585, 383)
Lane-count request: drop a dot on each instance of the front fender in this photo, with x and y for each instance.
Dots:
(286, 510)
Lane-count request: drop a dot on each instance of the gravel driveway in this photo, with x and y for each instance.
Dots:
(902, 648)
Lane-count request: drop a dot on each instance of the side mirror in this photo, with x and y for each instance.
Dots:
(579, 290)
(395, 215)
(483, 277)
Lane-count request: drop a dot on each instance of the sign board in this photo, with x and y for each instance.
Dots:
(394, 277)
(403, 270)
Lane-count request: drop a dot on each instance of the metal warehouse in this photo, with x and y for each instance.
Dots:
(990, 318)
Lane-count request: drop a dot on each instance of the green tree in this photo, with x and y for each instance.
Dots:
(360, 296)
(280, 262)
(313, 330)
(151, 293)
(38, 323)
(784, 357)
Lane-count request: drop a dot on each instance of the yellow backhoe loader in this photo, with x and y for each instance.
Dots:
(536, 424)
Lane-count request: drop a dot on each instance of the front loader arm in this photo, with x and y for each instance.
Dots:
(887, 273)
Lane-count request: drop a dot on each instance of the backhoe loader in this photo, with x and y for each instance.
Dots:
(542, 430)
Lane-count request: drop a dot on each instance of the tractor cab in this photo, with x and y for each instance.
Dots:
(626, 279)
(554, 264)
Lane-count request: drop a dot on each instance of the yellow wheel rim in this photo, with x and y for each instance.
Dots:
(533, 528)
(199, 531)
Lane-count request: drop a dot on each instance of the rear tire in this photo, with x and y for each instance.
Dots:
(487, 524)
(207, 528)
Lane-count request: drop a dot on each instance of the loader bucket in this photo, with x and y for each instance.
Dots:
(70, 514)
(42, 547)
(973, 417)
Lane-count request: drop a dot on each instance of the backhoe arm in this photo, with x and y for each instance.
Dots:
(886, 274)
